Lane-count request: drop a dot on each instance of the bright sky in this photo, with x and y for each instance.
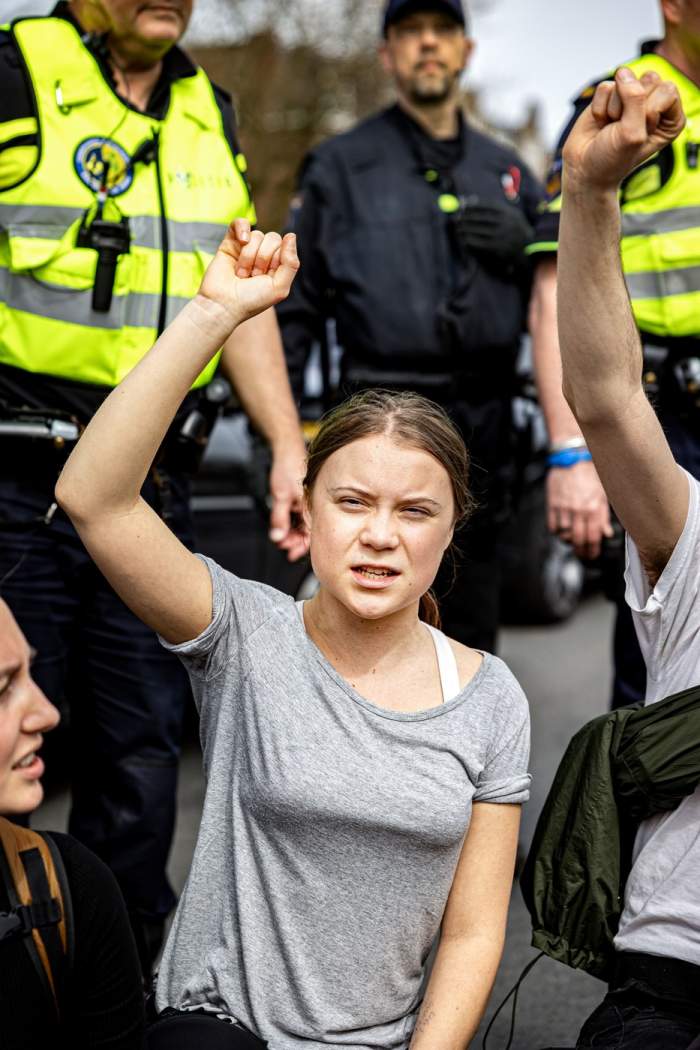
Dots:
(528, 50)
(545, 51)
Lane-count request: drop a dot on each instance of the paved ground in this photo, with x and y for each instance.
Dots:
(565, 672)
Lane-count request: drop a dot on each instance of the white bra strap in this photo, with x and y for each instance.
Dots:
(300, 610)
(447, 664)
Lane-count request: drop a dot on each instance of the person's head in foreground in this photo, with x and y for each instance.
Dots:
(385, 487)
(425, 49)
(25, 715)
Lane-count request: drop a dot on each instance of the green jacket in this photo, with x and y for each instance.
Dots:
(618, 770)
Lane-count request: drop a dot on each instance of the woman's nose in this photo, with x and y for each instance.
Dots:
(379, 532)
(40, 715)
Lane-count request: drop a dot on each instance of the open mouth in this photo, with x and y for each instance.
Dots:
(30, 762)
(374, 572)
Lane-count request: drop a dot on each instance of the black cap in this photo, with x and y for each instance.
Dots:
(396, 9)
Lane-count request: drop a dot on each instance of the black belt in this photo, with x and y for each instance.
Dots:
(676, 345)
(662, 976)
(438, 386)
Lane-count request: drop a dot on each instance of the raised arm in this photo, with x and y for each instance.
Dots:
(577, 507)
(627, 122)
(158, 578)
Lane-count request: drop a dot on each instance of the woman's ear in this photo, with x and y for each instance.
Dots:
(306, 512)
(450, 537)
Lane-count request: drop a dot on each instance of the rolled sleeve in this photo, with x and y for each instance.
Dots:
(504, 777)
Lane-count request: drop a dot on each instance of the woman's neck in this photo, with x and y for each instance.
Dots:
(350, 641)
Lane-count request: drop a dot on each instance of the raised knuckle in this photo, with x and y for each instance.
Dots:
(635, 136)
(633, 88)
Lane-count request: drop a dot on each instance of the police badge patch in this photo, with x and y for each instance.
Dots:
(102, 164)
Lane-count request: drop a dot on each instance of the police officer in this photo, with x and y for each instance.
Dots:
(661, 259)
(444, 319)
(119, 172)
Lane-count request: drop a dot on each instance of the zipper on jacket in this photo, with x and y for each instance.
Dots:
(164, 247)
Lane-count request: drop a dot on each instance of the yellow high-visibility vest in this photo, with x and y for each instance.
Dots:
(660, 243)
(178, 197)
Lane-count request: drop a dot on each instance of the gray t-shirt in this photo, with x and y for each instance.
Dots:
(330, 832)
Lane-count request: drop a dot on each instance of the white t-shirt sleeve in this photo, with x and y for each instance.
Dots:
(667, 618)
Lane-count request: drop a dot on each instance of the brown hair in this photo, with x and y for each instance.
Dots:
(413, 421)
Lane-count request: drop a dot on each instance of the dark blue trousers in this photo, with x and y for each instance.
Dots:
(629, 682)
(123, 695)
(631, 1020)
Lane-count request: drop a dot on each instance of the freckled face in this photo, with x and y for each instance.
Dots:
(25, 714)
(380, 518)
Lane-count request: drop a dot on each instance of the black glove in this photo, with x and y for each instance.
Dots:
(498, 232)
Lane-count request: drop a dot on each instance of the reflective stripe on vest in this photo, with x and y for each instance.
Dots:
(47, 323)
(660, 244)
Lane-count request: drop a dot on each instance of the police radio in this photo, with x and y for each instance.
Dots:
(109, 240)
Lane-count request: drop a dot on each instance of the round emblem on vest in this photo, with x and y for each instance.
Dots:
(102, 164)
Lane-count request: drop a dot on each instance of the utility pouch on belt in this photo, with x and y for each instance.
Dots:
(189, 441)
(672, 376)
(35, 883)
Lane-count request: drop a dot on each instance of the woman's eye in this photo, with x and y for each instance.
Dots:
(417, 512)
(350, 501)
(5, 685)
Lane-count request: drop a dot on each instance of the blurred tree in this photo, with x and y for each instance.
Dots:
(299, 71)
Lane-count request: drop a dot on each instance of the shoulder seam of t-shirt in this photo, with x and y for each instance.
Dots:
(693, 515)
(513, 736)
(517, 693)
(659, 592)
(244, 643)
(217, 581)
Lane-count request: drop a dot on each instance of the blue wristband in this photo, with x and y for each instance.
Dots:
(568, 457)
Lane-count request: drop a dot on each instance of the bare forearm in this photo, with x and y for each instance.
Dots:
(546, 358)
(600, 346)
(253, 358)
(109, 464)
(457, 993)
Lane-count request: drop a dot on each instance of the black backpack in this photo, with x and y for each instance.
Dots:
(41, 914)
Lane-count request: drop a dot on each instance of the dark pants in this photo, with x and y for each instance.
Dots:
(123, 695)
(652, 1005)
(184, 1031)
(469, 591)
(629, 681)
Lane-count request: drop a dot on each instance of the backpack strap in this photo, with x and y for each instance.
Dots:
(65, 897)
(38, 913)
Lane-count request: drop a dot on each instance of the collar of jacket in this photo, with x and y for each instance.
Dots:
(417, 138)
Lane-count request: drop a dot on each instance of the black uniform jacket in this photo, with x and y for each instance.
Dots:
(378, 254)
